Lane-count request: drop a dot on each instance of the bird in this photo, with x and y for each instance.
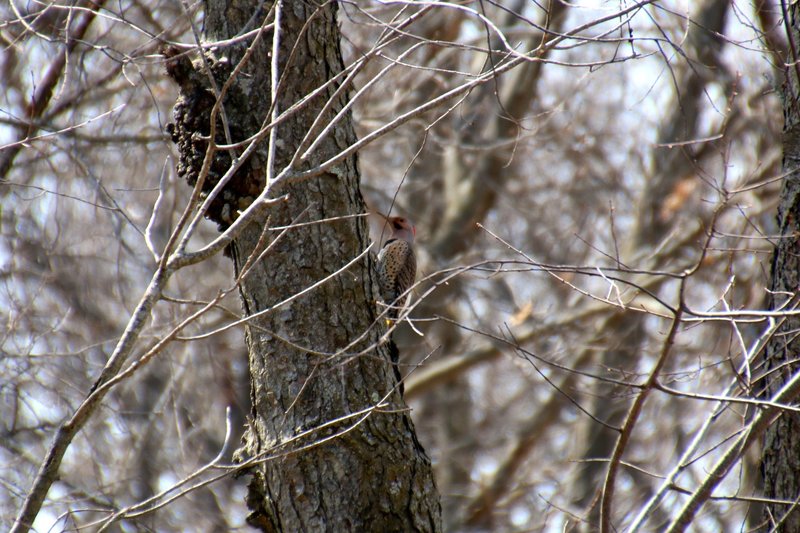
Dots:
(397, 264)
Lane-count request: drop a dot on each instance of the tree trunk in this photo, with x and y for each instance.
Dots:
(330, 459)
(781, 454)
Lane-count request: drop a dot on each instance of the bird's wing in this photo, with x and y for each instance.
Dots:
(398, 268)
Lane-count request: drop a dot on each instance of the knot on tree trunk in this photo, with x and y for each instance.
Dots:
(191, 132)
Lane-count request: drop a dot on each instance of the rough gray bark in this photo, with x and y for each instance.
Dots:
(781, 453)
(312, 365)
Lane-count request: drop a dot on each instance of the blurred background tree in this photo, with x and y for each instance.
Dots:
(594, 186)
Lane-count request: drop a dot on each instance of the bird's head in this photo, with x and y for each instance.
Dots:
(402, 228)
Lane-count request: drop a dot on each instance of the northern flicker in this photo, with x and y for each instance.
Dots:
(397, 264)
